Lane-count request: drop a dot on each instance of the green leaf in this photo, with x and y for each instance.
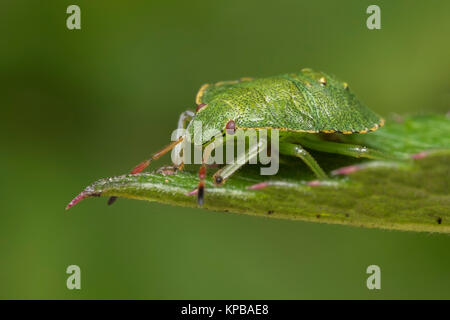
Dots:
(407, 195)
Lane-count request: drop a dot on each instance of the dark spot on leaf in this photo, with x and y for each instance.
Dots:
(111, 200)
(270, 212)
(318, 216)
(439, 220)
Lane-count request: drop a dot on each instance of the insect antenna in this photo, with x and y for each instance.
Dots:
(144, 164)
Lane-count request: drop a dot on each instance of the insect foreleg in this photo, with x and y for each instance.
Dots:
(177, 153)
(184, 117)
(224, 173)
(202, 171)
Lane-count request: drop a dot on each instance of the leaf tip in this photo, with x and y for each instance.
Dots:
(77, 199)
(83, 195)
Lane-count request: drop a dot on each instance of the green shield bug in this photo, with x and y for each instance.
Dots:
(303, 106)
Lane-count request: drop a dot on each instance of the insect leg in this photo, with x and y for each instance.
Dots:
(352, 150)
(184, 118)
(202, 171)
(297, 151)
(224, 173)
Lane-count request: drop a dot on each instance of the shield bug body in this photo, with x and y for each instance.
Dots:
(303, 106)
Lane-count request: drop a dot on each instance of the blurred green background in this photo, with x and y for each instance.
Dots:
(86, 104)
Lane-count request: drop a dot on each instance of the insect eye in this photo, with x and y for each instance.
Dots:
(200, 106)
(323, 81)
(230, 127)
